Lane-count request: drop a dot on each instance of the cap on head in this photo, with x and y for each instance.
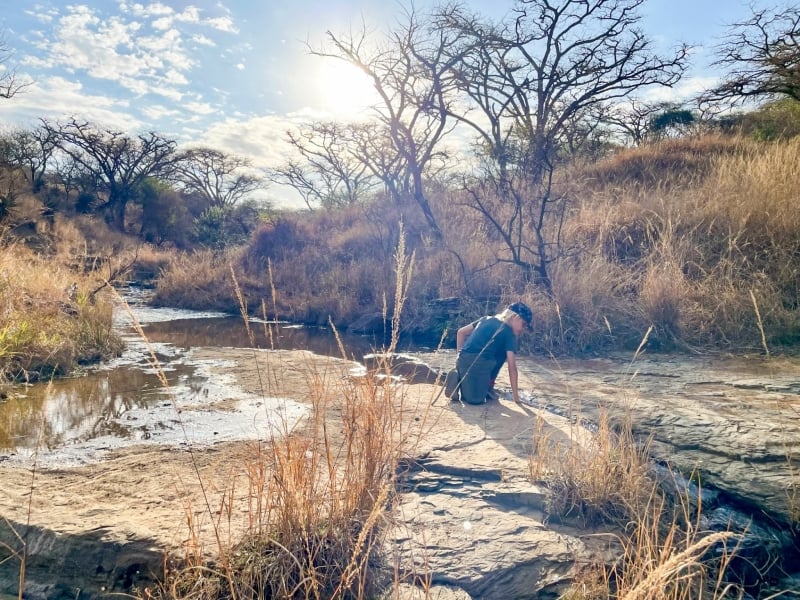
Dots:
(523, 311)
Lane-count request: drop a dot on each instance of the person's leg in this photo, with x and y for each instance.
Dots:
(474, 378)
(451, 385)
(493, 395)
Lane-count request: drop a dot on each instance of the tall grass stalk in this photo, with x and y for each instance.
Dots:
(760, 324)
(319, 496)
(162, 377)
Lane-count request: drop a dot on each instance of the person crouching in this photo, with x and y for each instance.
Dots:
(483, 346)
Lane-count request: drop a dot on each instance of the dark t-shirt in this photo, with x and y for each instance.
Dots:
(484, 341)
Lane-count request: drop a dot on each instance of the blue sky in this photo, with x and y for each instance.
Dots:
(236, 74)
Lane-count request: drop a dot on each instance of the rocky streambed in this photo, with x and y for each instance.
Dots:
(469, 522)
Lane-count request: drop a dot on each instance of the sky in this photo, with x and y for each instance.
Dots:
(236, 74)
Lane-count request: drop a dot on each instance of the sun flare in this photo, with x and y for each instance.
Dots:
(344, 89)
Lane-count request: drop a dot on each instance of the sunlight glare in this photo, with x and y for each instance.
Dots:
(344, 90)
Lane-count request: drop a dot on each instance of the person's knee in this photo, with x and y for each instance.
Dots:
(472, 400)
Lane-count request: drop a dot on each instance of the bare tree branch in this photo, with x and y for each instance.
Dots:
(10, 84)
(220, 179)
(762, 59)
(534, 82)
(333, 171)
(408, 73)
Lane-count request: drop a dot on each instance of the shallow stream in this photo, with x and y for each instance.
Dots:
(125, 401)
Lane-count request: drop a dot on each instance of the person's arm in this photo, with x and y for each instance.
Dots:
(511, 359)
(462, 335)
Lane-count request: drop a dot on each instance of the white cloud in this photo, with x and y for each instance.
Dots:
(157, 111)
(155, 9)
(240, 66)
(260, 138)
(202, 40)
(191, 14)
(175, 77)
(57, 98)
(168, 93)
(37, 62)
(687, 88)
(162, 24)
(200, 108)
(42, 14)
(115, 48)
(223, 24)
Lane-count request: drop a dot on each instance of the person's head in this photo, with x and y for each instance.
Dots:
(518, 316)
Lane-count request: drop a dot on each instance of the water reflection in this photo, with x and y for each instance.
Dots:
(231, 332)
(69, 412)
(74, 410)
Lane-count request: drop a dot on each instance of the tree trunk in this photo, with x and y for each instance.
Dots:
(422, 201)
(117, 203)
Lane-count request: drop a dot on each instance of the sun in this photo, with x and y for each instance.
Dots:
(344, 90)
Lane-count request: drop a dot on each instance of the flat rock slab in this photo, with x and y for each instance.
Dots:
(476, 539)
(469, 518)
(735, 422)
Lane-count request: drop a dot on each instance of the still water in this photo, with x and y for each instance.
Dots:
(77, 419)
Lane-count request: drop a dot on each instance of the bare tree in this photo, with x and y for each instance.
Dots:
(221, 179)
(408, 72)
(71, 174)
(31, 150)
(633, 118)
(528, 79)
(762, 58)
(330, 170)
(119, 161)
(10, 84)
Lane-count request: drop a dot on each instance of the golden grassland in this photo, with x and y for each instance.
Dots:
(697, 237)
(49, 318)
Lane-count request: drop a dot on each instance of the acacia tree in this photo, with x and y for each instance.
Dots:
(330, 169)
(528, 79)
(71, 175)
(221, 179)
(633, 118)
(31, 150)
(408, 71)
(762, 58)
(118, 161)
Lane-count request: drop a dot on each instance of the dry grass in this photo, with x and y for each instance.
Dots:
(319, 497)
(679, 235)
(200, 280)
(45, 330)
(664, 557)
(596, 476)
(687, 258)
(603, 475)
